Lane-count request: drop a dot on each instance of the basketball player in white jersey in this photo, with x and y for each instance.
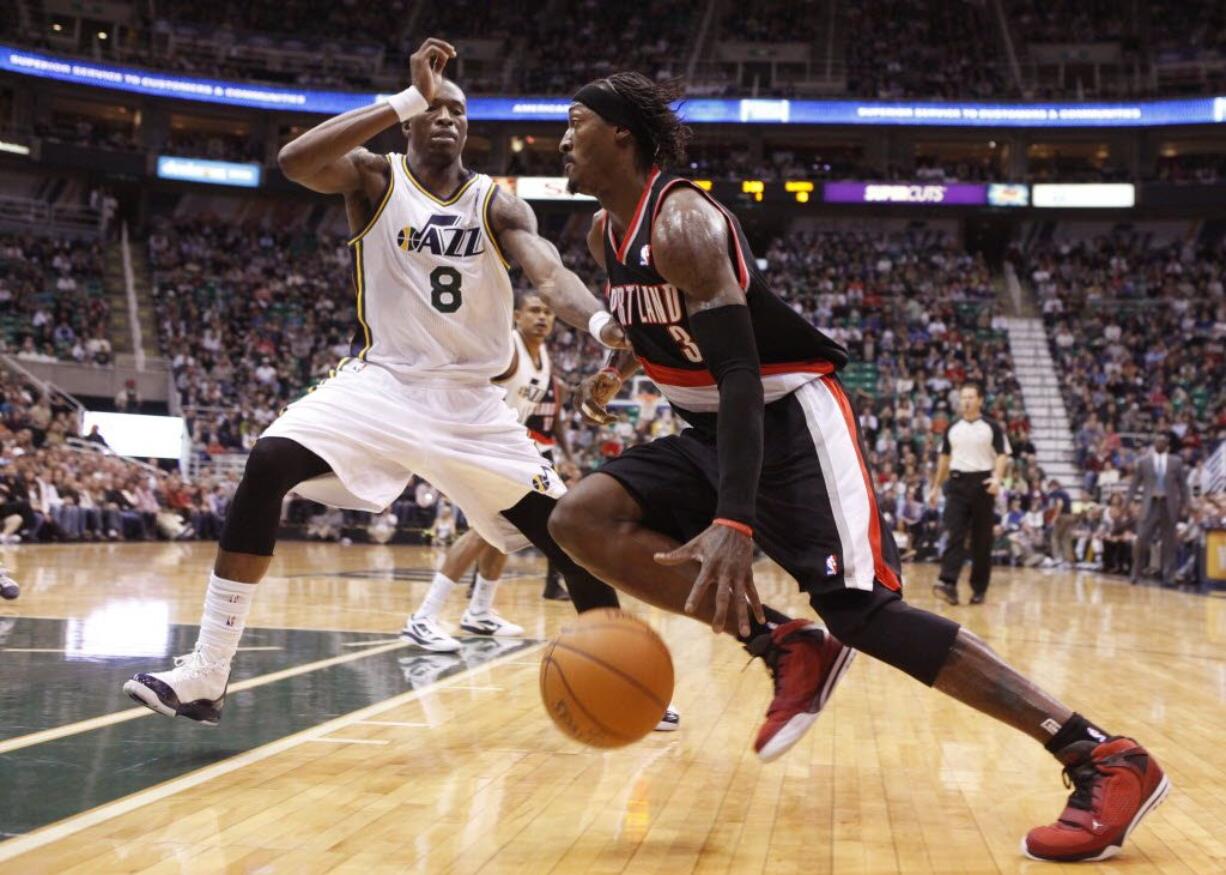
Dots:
(434, 302)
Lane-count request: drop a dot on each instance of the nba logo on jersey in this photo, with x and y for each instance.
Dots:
(645, 254)
(832, 565)
(440, 236)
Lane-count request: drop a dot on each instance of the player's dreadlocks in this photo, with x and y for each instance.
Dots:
(644, 107)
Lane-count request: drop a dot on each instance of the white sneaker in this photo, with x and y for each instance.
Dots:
(194, 689)
(670, 722)
(10, 539)
(489, 623)
(8, 587)
(426, 633)
(424, 669)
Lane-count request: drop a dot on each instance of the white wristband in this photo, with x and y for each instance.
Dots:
(596, 324)
(407, 103)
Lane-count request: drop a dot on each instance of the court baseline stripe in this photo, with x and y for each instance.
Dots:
(111, 719)
(70, 826)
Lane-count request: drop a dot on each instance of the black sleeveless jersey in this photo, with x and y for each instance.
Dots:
(540, 420)
(653, 313)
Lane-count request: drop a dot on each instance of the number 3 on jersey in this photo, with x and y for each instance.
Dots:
(689, 348)
(445, 289)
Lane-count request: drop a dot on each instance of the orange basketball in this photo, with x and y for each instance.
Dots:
(607, 678)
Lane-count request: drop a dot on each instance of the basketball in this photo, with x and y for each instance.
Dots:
(606, 678)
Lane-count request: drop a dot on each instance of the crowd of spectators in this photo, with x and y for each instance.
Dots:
(772, 21)
(911, 48)
(1200, 169)
(893, 48)
(587, 39)
(52, 302)
(373, 22)
(248, 318)
(1138, 334)
(916, 311)
(57, 486)
(917, 314)
(214, 145)
(93, 133)
(1068, 21)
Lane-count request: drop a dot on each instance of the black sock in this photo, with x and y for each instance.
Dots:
(773, 619)
(1075, 729)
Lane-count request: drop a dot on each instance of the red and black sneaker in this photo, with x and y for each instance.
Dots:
(1115, 784)
(805, 662)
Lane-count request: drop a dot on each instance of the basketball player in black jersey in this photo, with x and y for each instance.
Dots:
(773, 456)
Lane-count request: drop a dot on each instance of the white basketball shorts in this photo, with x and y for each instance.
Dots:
(376, 431)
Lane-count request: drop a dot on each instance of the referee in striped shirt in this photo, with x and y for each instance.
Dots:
(972, 463)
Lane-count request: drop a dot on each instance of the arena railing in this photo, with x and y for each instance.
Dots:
(73, 219)
(47, 388)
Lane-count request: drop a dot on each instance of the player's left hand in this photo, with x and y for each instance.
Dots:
(992, 485)
(726, 557)
(595, 392)
(613, 335)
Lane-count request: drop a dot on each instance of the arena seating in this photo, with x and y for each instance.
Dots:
(952, 50)
(1136, 319)
(55, 486)
(933, 51)
(52, 302)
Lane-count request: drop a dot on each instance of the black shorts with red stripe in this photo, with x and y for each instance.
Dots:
(816, 514)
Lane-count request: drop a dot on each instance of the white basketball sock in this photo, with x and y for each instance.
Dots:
(226, 604)
(436, 597)
(483, 595)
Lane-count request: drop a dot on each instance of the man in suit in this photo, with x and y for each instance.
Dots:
(1163, 486)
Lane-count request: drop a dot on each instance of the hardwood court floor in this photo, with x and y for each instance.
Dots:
(342, 750)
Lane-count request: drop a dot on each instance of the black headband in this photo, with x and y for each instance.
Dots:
(604, 100)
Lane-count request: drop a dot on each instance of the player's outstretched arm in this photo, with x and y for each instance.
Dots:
(329, 158)
(689, 243)
(514, 223)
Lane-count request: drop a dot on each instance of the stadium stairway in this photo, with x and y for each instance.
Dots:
(143, 285)
(117, 297)
(1049, 423)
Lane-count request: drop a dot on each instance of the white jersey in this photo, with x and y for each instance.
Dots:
(434, 298)
(528, 385)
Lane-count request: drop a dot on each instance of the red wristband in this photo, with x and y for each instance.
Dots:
(745, 530)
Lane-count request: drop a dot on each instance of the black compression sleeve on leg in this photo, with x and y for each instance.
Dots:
(531, 516)
(885, 627)
(276, 465)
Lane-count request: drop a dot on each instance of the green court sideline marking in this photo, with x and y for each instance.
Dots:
(140, 711)
(31, 841)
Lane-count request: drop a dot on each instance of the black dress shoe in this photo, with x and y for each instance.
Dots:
(977, 598)
(947, 592)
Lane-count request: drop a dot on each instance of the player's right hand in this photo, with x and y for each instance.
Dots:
(726, 559)
(427, 63)
(595, 392)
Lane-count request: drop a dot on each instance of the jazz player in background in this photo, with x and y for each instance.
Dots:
(434, 301)
(532, 392)
(535, 394)
(774, 456)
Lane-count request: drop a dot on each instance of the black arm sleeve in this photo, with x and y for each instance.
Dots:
(726, 340)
